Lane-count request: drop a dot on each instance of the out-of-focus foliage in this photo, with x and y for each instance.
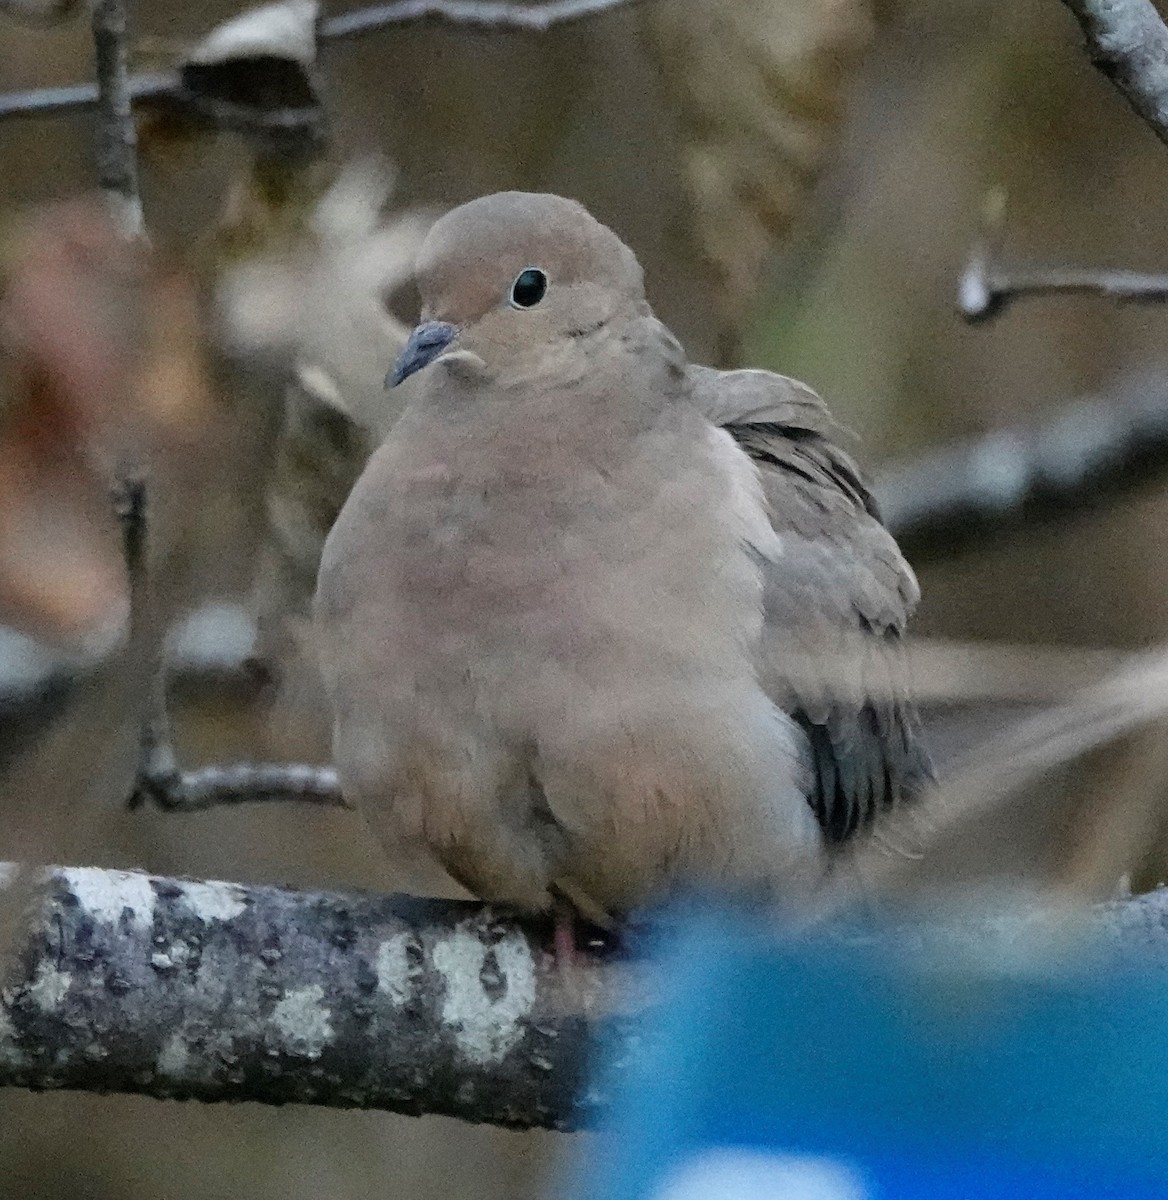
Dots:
(325, 302)
(760, 89)
(101, 363)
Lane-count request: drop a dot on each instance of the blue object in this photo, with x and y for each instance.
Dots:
(849, 1069)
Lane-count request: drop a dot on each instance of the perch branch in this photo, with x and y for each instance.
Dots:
(218, 992)
(212, 991)
(1128, 42)
(117, 162)
(482, 14)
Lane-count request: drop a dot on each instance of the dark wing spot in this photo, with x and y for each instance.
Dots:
(862, 764)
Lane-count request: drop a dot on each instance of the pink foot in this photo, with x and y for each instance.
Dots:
(564, 939)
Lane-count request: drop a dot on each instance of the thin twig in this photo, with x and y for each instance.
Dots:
(992, 772)
(985, 288)
(1128, 41)
(160, 779)
(985, 291)
(77, 97)
(482, 14)
(117, 161)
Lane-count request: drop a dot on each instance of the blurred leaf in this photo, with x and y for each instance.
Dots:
(760, 86)
(325, 304)
(251, 75)
(100, 363)
(286, 30)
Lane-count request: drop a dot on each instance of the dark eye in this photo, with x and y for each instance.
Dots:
(528, 288)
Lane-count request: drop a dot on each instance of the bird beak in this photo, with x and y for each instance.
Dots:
(426, 343)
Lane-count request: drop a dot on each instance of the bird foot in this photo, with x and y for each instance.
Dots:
(564, 948)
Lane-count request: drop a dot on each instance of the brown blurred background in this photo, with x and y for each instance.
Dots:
(697, 129)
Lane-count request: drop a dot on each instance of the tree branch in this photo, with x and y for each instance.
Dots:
(1128, 42)
(984, 291)
(117, 139)
(213, 991)
(219, 992)
(170, 87)
(1086, 454)
(483, 14)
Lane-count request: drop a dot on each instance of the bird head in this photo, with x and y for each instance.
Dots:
(515, 274)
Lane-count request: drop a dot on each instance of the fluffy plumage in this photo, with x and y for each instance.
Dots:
(597, 621)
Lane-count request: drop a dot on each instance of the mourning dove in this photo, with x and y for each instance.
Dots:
(597, 623)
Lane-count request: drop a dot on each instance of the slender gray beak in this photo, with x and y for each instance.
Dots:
(424, 346)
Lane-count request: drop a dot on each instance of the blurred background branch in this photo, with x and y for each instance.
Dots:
(117, 162)
(175, 87)
(1079, 459)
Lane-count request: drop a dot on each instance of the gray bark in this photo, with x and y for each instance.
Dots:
(173, 988)
(1128, 42)
(117, 138)
(213, 991)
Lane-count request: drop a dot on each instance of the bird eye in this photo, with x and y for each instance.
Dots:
(528, 289)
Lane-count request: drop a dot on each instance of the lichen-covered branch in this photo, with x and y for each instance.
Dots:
(214, 991)
(1128, 41)
(174, 988)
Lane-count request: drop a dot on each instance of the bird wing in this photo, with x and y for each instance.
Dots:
(837, 595)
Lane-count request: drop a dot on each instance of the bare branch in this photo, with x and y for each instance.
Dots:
(77, 97)
(169, 87)
(220, 992)
(985, 291)
(1081, 458)
(160, 780)
(1128, 42)
(240, 783)
(483, 14)
(117, 139)
(173, 988)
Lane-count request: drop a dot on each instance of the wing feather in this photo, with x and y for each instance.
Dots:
(837, 599)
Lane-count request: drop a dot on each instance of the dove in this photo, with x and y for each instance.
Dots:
(597, 625)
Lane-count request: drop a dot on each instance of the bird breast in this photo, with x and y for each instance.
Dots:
(588, 563)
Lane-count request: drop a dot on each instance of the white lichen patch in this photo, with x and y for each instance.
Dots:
(214, 901)
(392, 965)
(304, 1023)
(105, 895)
(485, 1027)
(49, 987)
(174, 1058)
